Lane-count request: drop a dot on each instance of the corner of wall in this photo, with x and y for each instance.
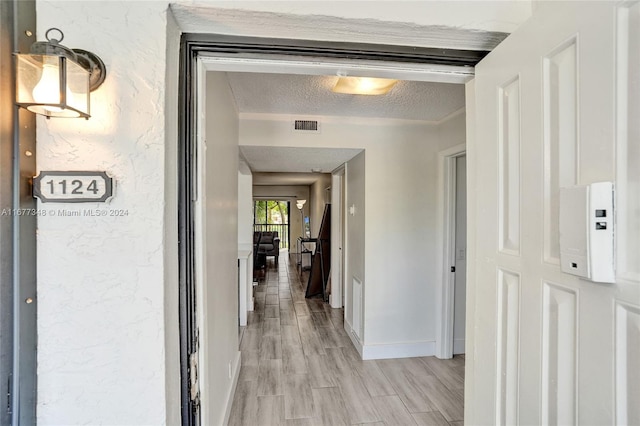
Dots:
(171, 274)
(453, 127)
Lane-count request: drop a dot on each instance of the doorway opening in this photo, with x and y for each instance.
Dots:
(195, 64)
(452, 240)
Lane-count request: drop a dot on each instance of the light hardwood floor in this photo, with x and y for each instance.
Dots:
(300, 368)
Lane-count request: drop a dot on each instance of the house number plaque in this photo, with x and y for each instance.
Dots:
(72, 187)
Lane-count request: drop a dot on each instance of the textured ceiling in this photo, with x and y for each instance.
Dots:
(295, 160)
(305, 179)
(312, 95)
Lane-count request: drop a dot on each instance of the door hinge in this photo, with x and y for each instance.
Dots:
(453, 269)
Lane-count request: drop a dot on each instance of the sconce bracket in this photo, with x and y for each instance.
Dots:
(95, 66)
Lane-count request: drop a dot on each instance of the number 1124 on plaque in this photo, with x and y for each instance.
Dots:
(72, 187)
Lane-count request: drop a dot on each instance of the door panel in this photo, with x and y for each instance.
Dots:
(555, 349)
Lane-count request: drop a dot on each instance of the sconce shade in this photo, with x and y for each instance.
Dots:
(53, 86)
(55, 81)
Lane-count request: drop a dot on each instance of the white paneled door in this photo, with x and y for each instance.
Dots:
(557, 104)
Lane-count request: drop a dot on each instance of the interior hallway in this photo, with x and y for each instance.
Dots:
(300, 368)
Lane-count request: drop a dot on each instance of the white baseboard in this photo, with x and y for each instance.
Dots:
(232, 390)
(352, 335)
(458, 346)
(399, 350)
(394, 350)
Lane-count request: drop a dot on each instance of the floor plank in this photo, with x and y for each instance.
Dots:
(271, 327)
(393, 411)
(249, 365)
(288, 317)
(270, 377)
(329, 408)
(293, 360)
(329, 337)
(298, 399)
(338, 363)
(254, 320)
(244, 410)
(270, 347)
(433, 418)
(319, 373)
(320, 319)
(449, 403)
(284, 295)
(374, 380)
(446, 370)
(251, 340)
(271, 311)
(359, 404)
(301, 309)
(403, 379)
(272, 299)
(290, 335)
(271, 410)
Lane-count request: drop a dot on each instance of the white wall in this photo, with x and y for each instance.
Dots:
(219, 332)
(493, 15)
(245, 206)
(400, 216)
(317, 201)
(355, 232)
(104, 288)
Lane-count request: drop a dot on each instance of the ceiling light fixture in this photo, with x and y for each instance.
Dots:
(55, 81)
(364, 85)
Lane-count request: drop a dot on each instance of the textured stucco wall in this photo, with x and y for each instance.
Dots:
(101, 329)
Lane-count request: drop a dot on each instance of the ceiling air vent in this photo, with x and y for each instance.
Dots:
(306, 126)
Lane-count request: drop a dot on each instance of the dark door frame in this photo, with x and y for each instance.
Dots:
(193, 45)
(18, 301)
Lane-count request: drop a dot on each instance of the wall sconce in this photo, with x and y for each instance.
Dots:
(55, 81)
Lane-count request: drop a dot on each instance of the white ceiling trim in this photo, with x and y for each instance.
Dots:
(295, 159)
(303, 66)
(369, 121)
(454, 114)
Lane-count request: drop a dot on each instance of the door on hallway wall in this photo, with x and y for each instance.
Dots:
(460, 284)
(556, 106)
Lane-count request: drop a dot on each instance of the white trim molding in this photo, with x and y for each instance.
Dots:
(398, 350)
(446, 256)
(232, 391)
